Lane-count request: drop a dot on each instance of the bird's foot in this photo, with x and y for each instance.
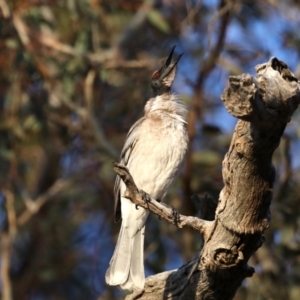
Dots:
(145, 197)
(176, 216)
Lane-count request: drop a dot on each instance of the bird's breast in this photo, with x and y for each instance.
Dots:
(158, 155)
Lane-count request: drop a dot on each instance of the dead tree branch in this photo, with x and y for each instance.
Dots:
(263, 105)
(142, 199)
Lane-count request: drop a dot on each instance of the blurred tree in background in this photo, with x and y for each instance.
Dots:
(74, 77)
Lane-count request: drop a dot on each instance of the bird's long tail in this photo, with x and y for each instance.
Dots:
(126, 267)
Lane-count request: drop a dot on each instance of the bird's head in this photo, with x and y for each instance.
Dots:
(163, 78)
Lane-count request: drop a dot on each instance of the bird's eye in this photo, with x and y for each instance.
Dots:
(156, 75)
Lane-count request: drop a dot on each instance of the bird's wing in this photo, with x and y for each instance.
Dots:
(131, 139)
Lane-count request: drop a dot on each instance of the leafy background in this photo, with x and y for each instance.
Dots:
(74, 77)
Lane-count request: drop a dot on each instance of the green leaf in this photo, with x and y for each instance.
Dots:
(11, 43)
(31, 123)
(158, 21)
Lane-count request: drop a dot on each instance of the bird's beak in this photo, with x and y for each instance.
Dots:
(169, 65)
(169, 59)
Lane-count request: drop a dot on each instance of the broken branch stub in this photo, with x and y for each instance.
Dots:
(267, 100)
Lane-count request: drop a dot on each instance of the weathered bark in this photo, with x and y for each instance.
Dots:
(263, 105)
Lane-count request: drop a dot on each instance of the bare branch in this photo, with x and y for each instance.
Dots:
(35, 205)
(7, 240)
(5, 9)
(142, 199)
(89, 116)
(192, 12)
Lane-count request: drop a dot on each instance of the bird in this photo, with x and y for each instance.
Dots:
(154, 153)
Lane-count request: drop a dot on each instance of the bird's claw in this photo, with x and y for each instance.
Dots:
(145, 197)
(175, 216)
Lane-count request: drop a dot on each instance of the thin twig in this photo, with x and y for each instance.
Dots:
(88, 90)
(7, 240)
(224, 8)
(191, 13)
(5, 9)
(87, 116)
(36, 205)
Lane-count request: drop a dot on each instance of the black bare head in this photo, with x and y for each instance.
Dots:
(163, 78)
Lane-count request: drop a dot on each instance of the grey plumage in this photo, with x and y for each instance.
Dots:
(153, 152)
